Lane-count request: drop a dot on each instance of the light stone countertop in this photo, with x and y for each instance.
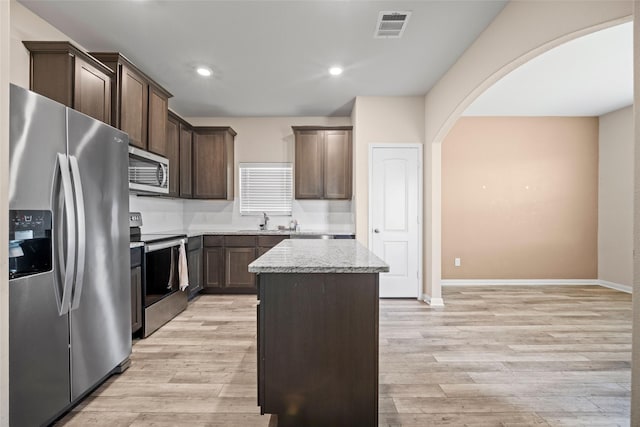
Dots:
(205, 232)
(135, 245)
(254, 232)
(318, 256)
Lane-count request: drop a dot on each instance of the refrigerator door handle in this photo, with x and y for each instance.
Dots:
(70, 264)
(82, 235)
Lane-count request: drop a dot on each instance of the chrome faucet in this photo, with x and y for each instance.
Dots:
(265, 221)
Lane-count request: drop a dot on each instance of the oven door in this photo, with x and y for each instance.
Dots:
(161, 271)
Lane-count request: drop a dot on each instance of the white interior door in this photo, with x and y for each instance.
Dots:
(394, 218)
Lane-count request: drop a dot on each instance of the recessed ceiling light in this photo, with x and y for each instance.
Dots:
(204, 71)
(335, 71)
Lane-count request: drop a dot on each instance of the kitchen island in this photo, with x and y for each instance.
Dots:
(318, 333)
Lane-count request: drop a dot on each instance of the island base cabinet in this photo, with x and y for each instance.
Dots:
(318, 348)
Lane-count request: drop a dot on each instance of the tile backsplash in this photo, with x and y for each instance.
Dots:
(163, 214)
(158, 213)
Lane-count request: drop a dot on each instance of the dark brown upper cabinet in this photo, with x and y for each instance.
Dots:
(131, 102)
(213, 165)
(173, 154)
(308, 164)
(186, 149)
(139, 104)
(323, 162)
(64, 73)
(158, 109)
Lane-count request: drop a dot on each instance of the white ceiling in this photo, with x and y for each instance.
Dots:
(588, 76)
(270, 58)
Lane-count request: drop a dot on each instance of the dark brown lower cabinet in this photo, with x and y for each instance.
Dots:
(267, 242)
(227, 258)
(236, 267)
(195, 265)
(136, 299)
(318, 348)
(136, 289)
(213, 265)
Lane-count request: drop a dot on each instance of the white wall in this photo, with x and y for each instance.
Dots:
(635, 344)
(26, 25)
(267, 139)
(615, 197)
(380, 120)
(523, 30)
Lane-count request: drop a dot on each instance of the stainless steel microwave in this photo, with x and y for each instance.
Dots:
(148, 172)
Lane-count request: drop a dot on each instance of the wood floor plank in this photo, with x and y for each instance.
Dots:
(493, 356)
(201, 420)
(577, 419)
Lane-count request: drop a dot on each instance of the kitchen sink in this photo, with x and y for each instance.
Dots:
(311, 236)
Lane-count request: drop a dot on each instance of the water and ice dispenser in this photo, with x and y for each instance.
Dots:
(29, 243)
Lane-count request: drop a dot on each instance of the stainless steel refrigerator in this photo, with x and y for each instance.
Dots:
(69, 287)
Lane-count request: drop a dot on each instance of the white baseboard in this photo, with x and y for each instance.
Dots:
(617, 286)
(433, 302)
(534, 282)
(518, 282)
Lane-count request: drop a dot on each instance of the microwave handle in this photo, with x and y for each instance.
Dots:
(163, 174)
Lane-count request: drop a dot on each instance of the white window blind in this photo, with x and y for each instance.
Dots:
(266, 187)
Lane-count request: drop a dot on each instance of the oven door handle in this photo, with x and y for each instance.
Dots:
(150, 247)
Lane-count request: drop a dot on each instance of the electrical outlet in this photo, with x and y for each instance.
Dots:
(456, 262)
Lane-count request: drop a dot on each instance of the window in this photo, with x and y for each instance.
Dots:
(266, 187)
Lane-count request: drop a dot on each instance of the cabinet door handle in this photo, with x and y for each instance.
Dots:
(375, 230)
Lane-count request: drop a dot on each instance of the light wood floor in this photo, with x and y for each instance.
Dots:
(501, 356)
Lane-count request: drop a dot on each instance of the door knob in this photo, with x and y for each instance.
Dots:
(375, 230)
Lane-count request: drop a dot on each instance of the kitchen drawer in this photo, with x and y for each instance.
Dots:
(239, 241)
(213, 240)
(270, 241)
(194, 243)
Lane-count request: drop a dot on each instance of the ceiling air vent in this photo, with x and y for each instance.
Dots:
(391, 25)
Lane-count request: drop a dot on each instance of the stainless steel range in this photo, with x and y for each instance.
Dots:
(161, 297)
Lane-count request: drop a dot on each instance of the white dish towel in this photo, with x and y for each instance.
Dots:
(183, 271)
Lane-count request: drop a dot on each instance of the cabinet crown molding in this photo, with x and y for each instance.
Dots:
(205, 129)
(66, 47)
(296, 128)
(119, 58)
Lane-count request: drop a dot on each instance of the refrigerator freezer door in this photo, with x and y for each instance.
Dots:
(101, 316)
(39, 386)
